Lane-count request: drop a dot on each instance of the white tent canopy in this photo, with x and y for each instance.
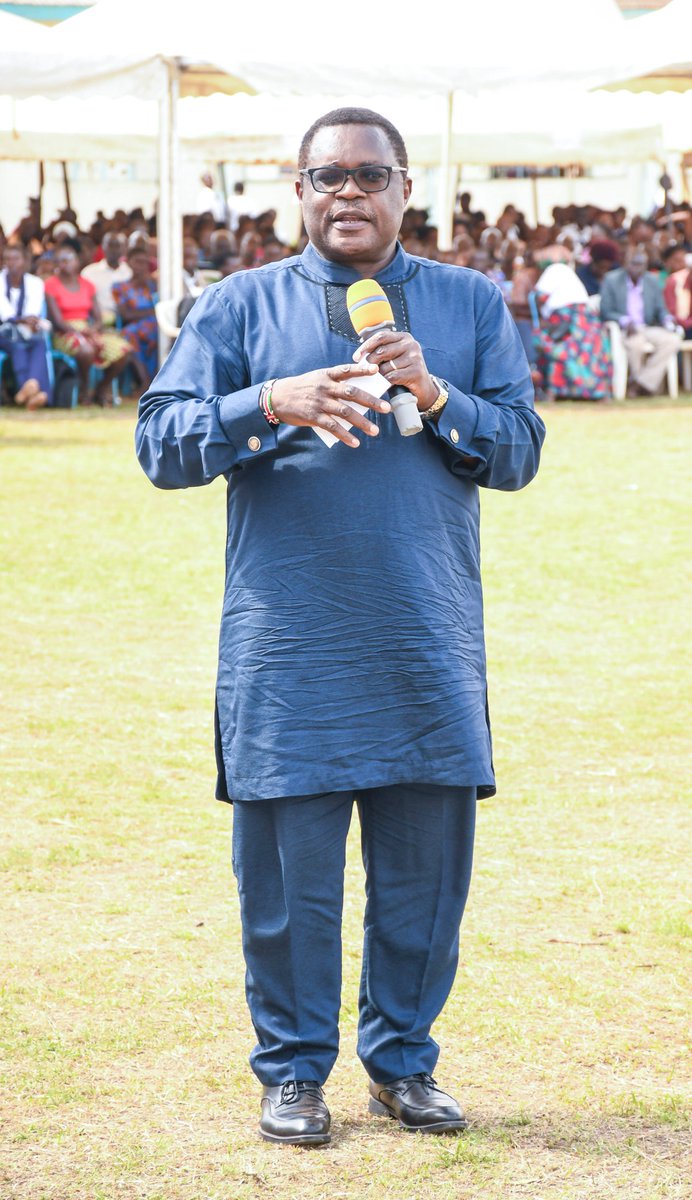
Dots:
(158, 51)
(295, 49)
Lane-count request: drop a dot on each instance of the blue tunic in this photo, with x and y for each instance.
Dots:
(351, 651)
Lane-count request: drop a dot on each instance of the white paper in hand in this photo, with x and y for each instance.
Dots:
(374, 385)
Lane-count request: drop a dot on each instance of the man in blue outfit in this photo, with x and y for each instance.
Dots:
(351, 660)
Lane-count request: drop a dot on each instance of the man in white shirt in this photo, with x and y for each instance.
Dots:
(211, 201)
(22, 329)
(108, 271)
(238, 206)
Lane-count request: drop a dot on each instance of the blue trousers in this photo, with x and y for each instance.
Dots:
(288, 857)
(29, 358)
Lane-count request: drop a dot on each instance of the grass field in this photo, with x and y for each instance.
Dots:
(124, 1028)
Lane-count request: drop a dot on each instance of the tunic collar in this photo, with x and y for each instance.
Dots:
(317, 267)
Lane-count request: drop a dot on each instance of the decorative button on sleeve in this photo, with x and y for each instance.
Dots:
(454, 435)
(253, 443)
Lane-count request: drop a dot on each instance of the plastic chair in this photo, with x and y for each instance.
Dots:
(3, 359)
(95, 377)
(686, 363)
(167, 320)
(621, 366)
(60, 356)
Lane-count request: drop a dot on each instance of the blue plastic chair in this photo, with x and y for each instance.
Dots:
(60, 356)
(3, 357)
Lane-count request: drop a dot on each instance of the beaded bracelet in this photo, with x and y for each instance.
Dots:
(265, 403)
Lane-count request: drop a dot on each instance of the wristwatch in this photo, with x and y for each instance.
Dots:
(429, 414)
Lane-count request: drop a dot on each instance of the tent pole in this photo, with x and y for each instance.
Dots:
(168, 217)
(162, 212)
(444, 202)
(221, 172)
(66, 183)
(175, 213)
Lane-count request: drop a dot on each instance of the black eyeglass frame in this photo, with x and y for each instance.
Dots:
(352, 172)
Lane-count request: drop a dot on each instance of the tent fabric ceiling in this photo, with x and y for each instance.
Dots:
(296, 51)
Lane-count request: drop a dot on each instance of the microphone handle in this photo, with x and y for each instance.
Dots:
(405, 409)
(404, 405)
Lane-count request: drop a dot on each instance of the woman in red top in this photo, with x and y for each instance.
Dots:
(74, 312)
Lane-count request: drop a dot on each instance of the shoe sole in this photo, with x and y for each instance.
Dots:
(307, 1139)
(380, 1110)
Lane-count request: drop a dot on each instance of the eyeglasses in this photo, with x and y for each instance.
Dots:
(368, 179)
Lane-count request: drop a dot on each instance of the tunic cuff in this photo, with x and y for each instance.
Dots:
(461, 427)
(247, 430)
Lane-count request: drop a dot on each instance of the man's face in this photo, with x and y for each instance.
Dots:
(190, 257)
(14, 260)
(637, 266)
(353, 227)
(113, 248)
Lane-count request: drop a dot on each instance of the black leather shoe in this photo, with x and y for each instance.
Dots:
(295, 1113)
(417, 1103)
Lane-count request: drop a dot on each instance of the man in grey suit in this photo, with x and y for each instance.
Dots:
(634, 299)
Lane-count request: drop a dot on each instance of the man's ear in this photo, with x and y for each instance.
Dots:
(408, 188)
(299, 188)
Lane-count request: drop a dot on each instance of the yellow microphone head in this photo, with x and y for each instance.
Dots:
(368, 305)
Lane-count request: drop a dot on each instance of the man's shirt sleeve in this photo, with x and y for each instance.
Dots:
(493, 435)
(200, 418)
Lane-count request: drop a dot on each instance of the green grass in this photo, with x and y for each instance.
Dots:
(124, 1029)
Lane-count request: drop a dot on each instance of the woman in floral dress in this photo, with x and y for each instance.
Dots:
(135, 301)
(573, 357)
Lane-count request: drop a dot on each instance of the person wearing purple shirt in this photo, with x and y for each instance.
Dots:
(351, 659)
(634, 299)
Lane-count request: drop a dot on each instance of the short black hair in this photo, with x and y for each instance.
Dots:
(670, 250)
(354, 116)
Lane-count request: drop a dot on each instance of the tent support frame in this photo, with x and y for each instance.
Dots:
(168, 217)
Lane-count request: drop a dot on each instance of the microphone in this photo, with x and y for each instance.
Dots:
(370, 310)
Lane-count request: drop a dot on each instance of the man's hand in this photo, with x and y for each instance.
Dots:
(400, 360)
(33, 323)
(319, 397)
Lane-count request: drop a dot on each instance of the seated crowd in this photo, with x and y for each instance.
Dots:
(569, 284)
(88, 297)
